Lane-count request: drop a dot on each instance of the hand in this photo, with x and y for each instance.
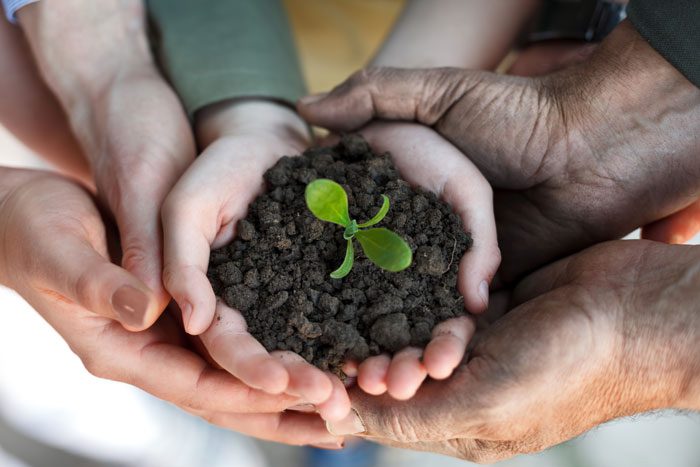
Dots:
(577, 157)
(242, 139)
(53, 251)
(131, 126)
(413, 147)
(607, 333)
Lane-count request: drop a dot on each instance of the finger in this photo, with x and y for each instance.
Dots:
(676, 228)
(165, 369)
(186, 259)
(446, 349)
(239, 353)
(140, 235)
(479, 265)
(350, 368)
(371, 375)
(430, 416)
(337, 406)
(305, 380)
(287, 427)
(459, 183)
(388, 93)
(406, 373)
(74, 271)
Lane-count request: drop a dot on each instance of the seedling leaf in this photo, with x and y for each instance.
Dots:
(379, 215)
(385, 249)
(345, 268)
(328, 201)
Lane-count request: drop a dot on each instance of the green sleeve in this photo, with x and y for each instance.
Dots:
(672, 27)
(213, 50)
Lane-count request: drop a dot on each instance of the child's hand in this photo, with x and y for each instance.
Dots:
(426, 159)
(241, 140)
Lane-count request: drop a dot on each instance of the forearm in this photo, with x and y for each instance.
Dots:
(80, 46)
(455, 33)
(81, 49)
(661, 331)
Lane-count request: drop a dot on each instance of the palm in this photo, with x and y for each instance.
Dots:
(410, 146)
(574, 351)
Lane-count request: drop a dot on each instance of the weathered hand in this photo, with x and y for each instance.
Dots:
(577, 157)
(458, 182)
(610, 332)
(541, 59)
(241, 140)
(95, 58)
(53, 252)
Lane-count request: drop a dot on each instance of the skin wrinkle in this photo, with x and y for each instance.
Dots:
(534, 178)
(454, 92)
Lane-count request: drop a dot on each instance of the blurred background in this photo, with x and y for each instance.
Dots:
(53, 413)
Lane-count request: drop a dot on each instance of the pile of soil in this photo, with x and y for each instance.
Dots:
(276, 272)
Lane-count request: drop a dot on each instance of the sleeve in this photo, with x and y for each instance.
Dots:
(214, 50)
(11, 7)
(672, 27)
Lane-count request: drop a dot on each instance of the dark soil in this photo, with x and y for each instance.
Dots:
(276, 272)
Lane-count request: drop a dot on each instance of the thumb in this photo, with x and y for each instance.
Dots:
(422, 95)
(77, 273)
(430, 416)
(141, 242)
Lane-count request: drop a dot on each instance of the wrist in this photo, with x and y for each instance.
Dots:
(624, 77)
(661, 331)
(80, 48)
(237, 117)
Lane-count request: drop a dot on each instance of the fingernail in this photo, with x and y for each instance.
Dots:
(350, 425)
(313, 98)
(130, 304)
(484, 292)
(186, 315)
(306, 408)
(335, 446)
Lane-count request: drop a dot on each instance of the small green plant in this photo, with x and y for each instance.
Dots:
(328, 201)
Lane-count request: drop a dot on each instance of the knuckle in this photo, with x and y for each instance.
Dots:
(85, 288)
(169, 277)
(134, 255)
(361, 77)
(96, 366)
(401, 429)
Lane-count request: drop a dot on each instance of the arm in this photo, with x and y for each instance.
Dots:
(455, 33)
(224, 50)
(95, 58)
(234, 66)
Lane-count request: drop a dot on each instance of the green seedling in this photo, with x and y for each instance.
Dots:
(328, 201)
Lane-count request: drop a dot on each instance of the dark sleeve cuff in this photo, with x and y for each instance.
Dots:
(672, 27)
(216, 50)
